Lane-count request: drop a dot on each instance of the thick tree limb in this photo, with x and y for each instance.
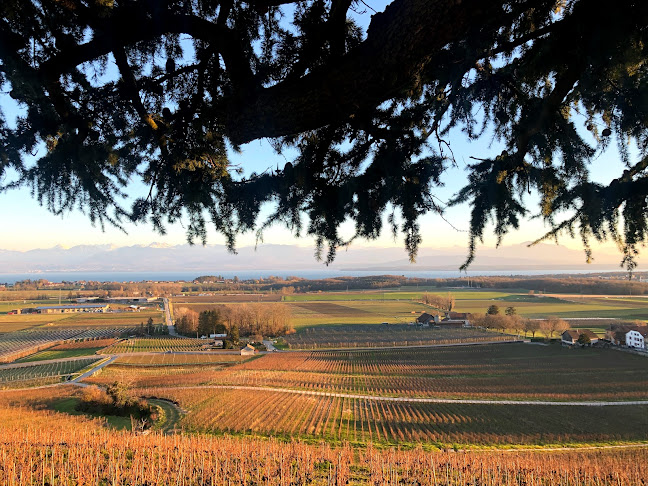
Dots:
(385, 66)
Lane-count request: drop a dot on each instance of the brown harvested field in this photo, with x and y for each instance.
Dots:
(331, 309)
(377, 335)
(226, 298)
(90, 344)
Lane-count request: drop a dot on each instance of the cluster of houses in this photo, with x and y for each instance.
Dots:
(632, 336)
(461, 319)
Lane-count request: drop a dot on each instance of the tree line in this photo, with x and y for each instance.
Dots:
(445, 303)
(551, 327)
(248, 319)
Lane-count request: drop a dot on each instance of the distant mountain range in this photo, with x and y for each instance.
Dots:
(212, 258)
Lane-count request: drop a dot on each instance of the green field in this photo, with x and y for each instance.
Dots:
(138, 345)
(390, 295)
(11, 323)
(68, 406)
(399, 307)
(58, 354)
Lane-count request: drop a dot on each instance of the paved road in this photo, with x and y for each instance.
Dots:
(77, 380)
(416, 400)
(269, 346)
(167, 317)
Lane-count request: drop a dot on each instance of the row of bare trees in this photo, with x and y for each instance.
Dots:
(551, 327)
(249, 319)
(441, 302)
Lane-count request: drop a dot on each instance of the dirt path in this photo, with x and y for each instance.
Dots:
(418, 400)
(172, 415)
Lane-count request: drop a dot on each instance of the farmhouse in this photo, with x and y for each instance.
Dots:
(457, 319)
(70, 308)
(248, 351)
(636, 338)
(425, 319)
(571, 336)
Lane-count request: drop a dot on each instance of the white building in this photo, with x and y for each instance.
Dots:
(248, 351)
(69, 308)
(636, 339)
(125, 300)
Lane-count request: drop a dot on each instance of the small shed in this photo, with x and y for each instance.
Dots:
(571, 336)
(248, 351)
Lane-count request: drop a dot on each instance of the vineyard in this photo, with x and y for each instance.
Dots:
(20, 343)
(498, 371)
(371, 335)
(178, 359)
(154, 376)
(49, 370)
(361, 421)
(73, 450)
(69, 350)
(138, 345)
(511, 371)
(339, 408)
(15, 345)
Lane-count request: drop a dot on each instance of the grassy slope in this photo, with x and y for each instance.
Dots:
(67, 405)
(54, 354)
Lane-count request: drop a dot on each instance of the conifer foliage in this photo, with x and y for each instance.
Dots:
(115, 90)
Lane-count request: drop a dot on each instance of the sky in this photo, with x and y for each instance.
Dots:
(27, 225)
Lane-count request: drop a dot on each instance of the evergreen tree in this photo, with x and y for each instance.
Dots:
(493, 310)
(114, 90)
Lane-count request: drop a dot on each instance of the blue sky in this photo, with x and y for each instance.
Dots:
(26, 225)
